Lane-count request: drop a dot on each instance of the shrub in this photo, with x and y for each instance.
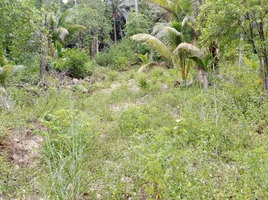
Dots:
(119, 55)
(75, 62)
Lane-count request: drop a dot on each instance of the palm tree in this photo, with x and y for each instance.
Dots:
(163, 43)
(119, 12)
(201, 59)
(60, 28)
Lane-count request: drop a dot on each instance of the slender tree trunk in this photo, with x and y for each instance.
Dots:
(121, 32)
(44, 48)
(136, 6)
(94, 48)
(75, 3)
(265, 73)
(264, 56)
(240, 61)
(80, 41)
(114, 18)
(213, 50)
(97, 45)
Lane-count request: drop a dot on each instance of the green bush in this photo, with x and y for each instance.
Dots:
(119, 56)
(75, 62)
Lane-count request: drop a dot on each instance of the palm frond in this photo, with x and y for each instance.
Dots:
(59, 48)
(196, 4)
(144, 58)
(167, 34)
(189, 49)
(72, 29)
(154, 43)
(51, 21)
(63, 17)
(60, 33)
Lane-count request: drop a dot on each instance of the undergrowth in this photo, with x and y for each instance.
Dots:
(151, 142)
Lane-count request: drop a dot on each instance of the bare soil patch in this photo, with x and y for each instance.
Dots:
(21, 147)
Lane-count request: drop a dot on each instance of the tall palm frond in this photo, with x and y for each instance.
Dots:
(202, 62)
(63, 17)
(154, 43)
(60, 34)
(188, 49)
(74, 28)
(175, 8)
(60, 27)
(167, 34)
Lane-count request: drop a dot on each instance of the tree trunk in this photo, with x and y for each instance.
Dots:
(213, 50)
(43, 50)
(114, 18)
(97, 46)
(121, 32)
(265, 74)
(264, 56)
(80, 41)
(240, 61)
(136, 6)
(202, 77)
(94, 49)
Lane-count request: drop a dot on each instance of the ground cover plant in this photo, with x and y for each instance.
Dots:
(133, 99)
(124, 140)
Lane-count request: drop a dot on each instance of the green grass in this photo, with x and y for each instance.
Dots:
(147, 143)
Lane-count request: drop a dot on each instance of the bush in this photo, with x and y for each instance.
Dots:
(75, 62)
(119, 56)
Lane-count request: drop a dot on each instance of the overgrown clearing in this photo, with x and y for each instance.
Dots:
(133, 99)
(136, 136)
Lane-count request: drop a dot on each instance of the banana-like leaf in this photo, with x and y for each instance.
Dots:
(157, 45)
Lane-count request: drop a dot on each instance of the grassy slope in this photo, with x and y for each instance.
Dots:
(142, 139)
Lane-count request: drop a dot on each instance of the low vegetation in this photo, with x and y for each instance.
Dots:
(128, 99)
(136, 136)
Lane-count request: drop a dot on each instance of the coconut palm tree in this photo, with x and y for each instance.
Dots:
(201, 59)
(119, 12)
(60, 28)
(163, 43)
